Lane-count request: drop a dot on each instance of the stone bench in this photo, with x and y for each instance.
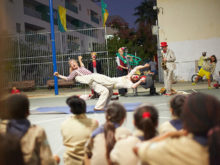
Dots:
(22, 85)
(61, 83)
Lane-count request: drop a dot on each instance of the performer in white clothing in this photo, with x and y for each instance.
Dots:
(95, 80)
(168, 65)
(75, 70)
(131, 80)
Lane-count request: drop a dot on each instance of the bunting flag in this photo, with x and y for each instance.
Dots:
(104, 12)
(61, 19)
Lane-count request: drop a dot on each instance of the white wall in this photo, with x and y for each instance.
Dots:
(188, 51)
(190, 27)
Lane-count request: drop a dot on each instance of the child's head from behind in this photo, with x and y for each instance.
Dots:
(76, 104)
(146, 119)
(17, 106)
(115, 113)
(200, 116)
(176, 105)
(200, 113)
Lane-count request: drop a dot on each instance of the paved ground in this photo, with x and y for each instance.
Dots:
(51, 121)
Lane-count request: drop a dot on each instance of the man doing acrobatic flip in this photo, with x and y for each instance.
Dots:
(102, 84)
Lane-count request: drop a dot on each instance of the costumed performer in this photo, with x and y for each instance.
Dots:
(129, 81)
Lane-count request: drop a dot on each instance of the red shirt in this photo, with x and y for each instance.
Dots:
(15, 91)
(94, 64)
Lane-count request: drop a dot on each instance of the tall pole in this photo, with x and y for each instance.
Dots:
(53, 46)
(160, 71)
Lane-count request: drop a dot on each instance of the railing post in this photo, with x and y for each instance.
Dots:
(61, 47)
(106, 48)
(19, 57)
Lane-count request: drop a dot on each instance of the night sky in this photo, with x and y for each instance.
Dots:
(124, 8)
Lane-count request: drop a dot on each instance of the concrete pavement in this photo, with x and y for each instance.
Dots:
(65, 92)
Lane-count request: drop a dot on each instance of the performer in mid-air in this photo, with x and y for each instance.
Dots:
(104, 85)
(76, 70)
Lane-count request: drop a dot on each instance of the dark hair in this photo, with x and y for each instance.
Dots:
(215, 58)
(10, 150)
(176, 103)
(115, 114)
(201, 116)
(76, 104)
(17, 106)
(146, 124)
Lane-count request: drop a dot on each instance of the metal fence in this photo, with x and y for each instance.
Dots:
(30, 55)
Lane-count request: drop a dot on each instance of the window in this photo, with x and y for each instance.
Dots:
(18, 27)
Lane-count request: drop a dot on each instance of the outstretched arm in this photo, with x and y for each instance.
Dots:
(138, 68)
(80, 61)
(60, 76)
(135, 85)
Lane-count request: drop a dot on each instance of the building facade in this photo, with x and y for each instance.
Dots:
(190, 28)
(27, 16)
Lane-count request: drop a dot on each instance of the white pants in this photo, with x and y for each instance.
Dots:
(104, 88)
(168, 78)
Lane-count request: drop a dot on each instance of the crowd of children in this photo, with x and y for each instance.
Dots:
(191, 137)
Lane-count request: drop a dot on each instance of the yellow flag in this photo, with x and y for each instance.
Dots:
(105, 17)
(62, 19)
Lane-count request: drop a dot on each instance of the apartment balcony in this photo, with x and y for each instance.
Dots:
(94, 19)
(71, 7)
(32, 12)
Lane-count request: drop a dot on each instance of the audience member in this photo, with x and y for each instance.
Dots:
(104, 138)
(76, 130)
(146, 121)
(201, 60)
(14, 90)
(34, 144)
(198, 143)
(176, 107)
(10, 150)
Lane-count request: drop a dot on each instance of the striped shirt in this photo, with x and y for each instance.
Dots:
(78, 72)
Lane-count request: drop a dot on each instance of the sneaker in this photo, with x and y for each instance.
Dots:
(209, 87)
(193, 83)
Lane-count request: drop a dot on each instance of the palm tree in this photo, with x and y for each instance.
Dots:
(145, 12)
(146, 17)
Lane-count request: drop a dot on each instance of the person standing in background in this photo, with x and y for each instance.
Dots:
(153, 67)
(122, 69)
(95, 67)
(168, 65)
(201, 60)
(207, 69)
